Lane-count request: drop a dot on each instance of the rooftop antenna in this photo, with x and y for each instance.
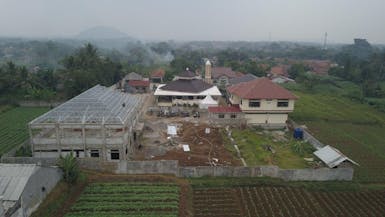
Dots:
(325, 41)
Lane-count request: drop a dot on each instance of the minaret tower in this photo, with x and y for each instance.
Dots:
(208, 72)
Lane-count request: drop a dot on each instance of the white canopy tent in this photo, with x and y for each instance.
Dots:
(207, 102)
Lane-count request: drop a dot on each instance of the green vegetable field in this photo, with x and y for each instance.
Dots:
(127, 199)
(356, 129)
(13, 126)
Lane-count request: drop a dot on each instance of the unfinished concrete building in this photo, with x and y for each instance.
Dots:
(99, 123)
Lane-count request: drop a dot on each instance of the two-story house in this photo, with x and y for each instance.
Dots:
(260, 102)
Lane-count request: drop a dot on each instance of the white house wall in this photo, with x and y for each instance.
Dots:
(263, 119)
(266, 105)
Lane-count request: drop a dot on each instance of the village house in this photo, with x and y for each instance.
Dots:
(135, 83)
(244, 78)
(262, 102)
(280, 70)
(221, 76)
(156, 78)
(319, 67)
(187, 89)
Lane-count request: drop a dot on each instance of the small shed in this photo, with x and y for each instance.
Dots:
(207, 102)
(331, 156)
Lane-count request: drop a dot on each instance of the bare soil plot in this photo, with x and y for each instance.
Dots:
(205, 149)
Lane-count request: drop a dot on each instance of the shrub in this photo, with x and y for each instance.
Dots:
(70, 168)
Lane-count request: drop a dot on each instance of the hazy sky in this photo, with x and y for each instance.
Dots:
(253, 20)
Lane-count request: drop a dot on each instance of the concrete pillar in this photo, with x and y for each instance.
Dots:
(84, 139)
(104, 144)
(58, 139)
(124, 145)
(30, 139)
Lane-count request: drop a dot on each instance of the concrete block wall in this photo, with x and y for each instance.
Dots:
(98, 165)
(172, 167)
(322, 174)
(30, 160)
(148, 167)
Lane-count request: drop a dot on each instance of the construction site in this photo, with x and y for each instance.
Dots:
(100, 123)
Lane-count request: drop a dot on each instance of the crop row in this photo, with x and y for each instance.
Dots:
(127, 199)
(105, 184)
(130, 197)
(130, 190)
(122, 214)
(287, 201)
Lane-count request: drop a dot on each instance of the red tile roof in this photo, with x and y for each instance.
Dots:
(224, 109)
(138, 83)
(158, 73)
(225, 71)
(279, 70)
(318, 66)
(261, 88)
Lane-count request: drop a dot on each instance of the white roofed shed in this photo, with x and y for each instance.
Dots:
(331, 156)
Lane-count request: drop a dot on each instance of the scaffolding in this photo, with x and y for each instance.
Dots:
(99, 122)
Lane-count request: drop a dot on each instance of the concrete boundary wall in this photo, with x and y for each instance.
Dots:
(172, 167)
(148, 167)
(30, 160)
(321, 174)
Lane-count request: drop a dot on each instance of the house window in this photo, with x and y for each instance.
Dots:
(233, 116)
(283, 103)
(190, 97)
(221, 116)
(254, 103)
(114, 154)
(94, 153)
(179, 97)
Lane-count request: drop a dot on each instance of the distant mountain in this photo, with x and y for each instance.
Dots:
(102, 32)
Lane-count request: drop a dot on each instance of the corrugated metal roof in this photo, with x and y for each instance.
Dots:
(96, 105)
(331, 156)
(13, 178)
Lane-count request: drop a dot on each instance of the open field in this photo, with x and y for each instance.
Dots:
(356, 129)
(13, 126)
(285, 201)
(253, 145)
(253, 197)
(100, 194)
(160, 195)
(127, 199)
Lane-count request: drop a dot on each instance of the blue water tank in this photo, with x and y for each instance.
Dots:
(298, 133)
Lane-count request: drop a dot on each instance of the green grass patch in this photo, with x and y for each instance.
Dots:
(13, 126)
(354, 128)
(260, 148)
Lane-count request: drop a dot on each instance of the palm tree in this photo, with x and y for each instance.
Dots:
(70, 168)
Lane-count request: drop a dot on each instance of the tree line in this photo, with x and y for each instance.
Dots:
(80, 71)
